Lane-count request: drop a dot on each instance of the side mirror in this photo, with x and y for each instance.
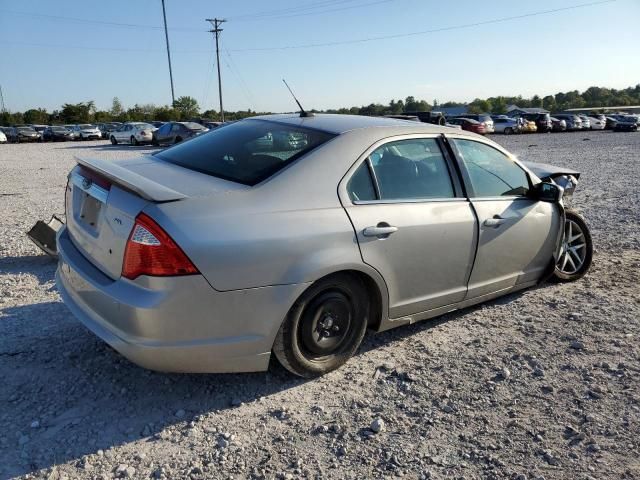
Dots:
(548, 192)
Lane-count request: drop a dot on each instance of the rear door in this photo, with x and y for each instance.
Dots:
(517, 234)
(412, 223)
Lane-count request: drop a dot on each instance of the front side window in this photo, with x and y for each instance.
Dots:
(405, 170)
(246, 152)
(491, 172)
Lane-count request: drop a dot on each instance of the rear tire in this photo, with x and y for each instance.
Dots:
(133, 141)
(508, 131)
(113, 140)
(325, 326)
(577, 249)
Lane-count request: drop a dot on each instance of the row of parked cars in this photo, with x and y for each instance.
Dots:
(134, 133)
(544, 122)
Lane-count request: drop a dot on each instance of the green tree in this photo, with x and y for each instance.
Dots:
(36, 116)
(77, 112)
(187, 107)
(116, 107)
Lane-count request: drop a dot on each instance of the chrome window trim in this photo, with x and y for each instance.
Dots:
(94, 190)
(410, 200)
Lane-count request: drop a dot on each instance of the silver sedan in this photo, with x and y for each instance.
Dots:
(214, 254)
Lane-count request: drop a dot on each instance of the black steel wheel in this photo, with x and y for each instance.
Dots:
(325, 327)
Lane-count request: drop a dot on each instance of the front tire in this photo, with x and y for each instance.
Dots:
(577, 249)
(508, 131)
(113, 140)
(325, 326)
(133, 141)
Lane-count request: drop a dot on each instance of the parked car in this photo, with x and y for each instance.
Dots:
(468, 124)
(597, 123)
(573, 121)
(611, 123)
(84, 131)
(558, 125)
(39, 129)
(483, 118)
(298, 253)
(626, 123)
(527, 126)
(506, 125)
(56, 133)
(542, 121)
(23, 134)
(157, 123)
(3, 137)
(175, 132)
(72, 128)
(134, 133)
(586, 123)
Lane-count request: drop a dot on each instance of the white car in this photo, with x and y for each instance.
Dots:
(133, 133)
(84, 131)
(3, 137)
(598, 123)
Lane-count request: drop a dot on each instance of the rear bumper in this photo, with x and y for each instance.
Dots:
(174, 324)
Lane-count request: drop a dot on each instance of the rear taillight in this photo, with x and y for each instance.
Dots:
(151, 251)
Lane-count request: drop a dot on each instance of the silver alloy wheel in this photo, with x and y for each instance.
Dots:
(573, 253)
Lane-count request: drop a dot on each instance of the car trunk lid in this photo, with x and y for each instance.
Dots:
(103, 199)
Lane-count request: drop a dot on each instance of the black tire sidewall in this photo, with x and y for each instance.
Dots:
(579, 219)
(287, 347)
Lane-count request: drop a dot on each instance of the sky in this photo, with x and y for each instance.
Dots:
(70, 51)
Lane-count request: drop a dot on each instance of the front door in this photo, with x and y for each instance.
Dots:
(517, 234)
(412, 225)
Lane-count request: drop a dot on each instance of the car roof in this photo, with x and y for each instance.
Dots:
(338, 124)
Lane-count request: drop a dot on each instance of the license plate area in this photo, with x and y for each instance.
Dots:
(90, 211)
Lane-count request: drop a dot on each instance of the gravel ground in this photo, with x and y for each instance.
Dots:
(540, 384)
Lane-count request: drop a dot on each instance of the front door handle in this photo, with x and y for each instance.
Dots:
(495, 222)
(382, 230)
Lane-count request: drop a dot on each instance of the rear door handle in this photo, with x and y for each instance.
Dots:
(379, 231)
(495, 222)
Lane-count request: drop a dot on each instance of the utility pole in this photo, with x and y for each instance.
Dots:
(2, 109)
(166, 36)
(216, 30)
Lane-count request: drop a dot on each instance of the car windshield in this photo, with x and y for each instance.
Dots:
(246, 152)
(141, 125)
(193, 126)
(58, 129)
(25, 129)
(85, 126)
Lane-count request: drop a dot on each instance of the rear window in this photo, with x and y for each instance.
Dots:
(246, 152)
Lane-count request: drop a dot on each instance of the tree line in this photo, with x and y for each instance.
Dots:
(187, 108)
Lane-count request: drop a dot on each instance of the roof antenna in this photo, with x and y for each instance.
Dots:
(303, 113)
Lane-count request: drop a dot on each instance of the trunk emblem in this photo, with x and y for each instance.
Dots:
(86, 183)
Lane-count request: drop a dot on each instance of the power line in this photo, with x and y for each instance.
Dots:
(282, 11)
(343, 42)
(425, 32)
(97, 22)
(236, 72)
(319, 12)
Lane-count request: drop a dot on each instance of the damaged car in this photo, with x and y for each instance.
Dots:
(218, 253)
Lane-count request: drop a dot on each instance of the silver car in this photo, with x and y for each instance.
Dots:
(213, 254)
(133, 133)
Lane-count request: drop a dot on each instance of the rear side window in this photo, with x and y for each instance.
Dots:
(246, 152)
(405, 170)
